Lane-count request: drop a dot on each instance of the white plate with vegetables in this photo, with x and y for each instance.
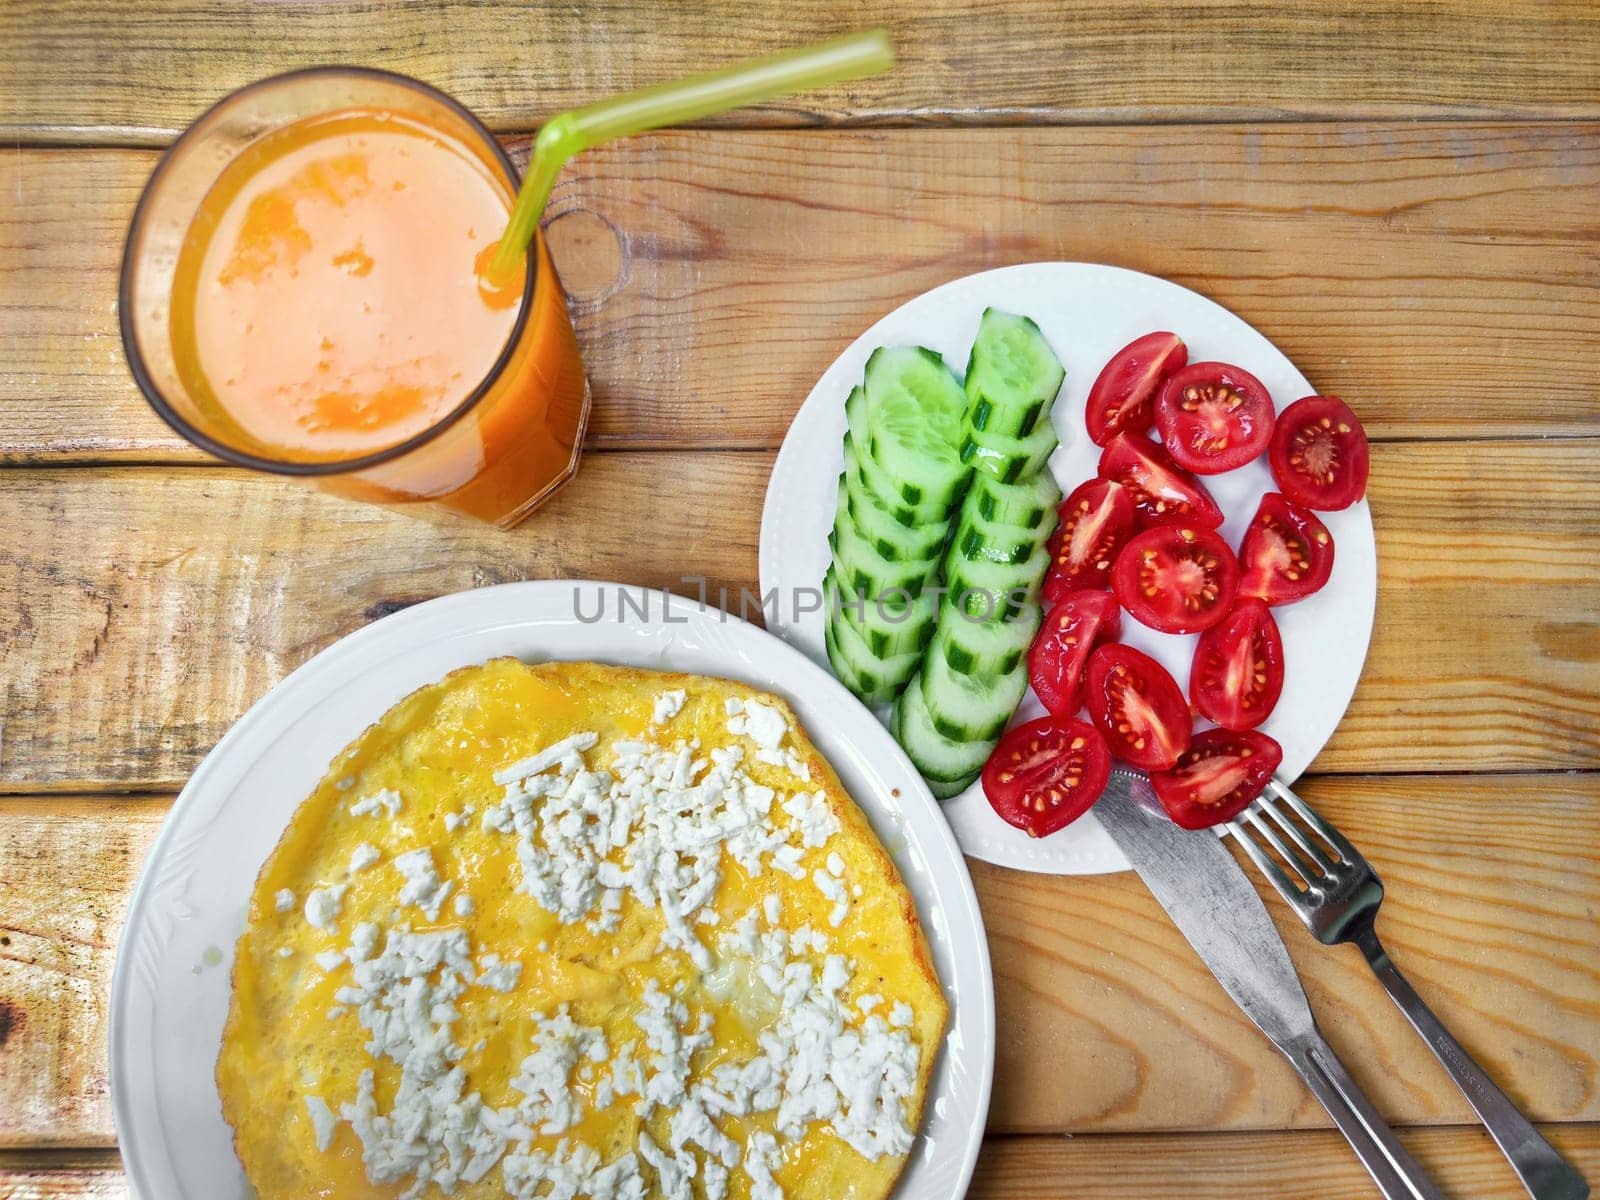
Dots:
(945, 529)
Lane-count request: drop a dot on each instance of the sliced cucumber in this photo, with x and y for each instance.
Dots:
(864, 570)
(888, 628)
(949, 789)
(1012, 375)
(891, 539)
(989, 590)
(855, 412)
(978, 537)
(875, 680)
(915, 415)
(867, 478)
(1008, 459)
(1029, 503)
(938, 758)
(970, 708)
(984, 648)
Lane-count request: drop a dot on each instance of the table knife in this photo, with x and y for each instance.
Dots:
(1210, 899)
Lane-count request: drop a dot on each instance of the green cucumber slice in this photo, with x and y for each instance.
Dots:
(891, 539)
(988, 590)
(915, 415)
(936, 756)
(867, 478)
(978, 537)
(888, 627)
(1012, 375)
(875, 680)
(984, 648)
(864, 570)
(970, 708)
(1009, 459)
(1029, 503)
(949, 789)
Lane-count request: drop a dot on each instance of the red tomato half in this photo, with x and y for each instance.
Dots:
(1046, 774)
(1214, 417)
(1075, 626)
(1163, 492)
(1176, 579)
(1137, 706)
(1237, 673)
(1217, 779)
(1319, 453)
(1286, 553)
(1094, 524)
(1123, 394)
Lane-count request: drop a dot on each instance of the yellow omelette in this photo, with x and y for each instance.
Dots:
(573, 930)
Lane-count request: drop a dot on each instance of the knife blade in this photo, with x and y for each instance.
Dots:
(1211, 900)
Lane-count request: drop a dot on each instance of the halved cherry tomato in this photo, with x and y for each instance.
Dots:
(1213, 417)
(1075, 626)
(1095, 522)
(1176, 578)
(1319, 453)
(1046, 774)
(1237, 673)
(1286, 553)
(1163, 492)
(1223, 771)
(1137, 706)
(1120, 400)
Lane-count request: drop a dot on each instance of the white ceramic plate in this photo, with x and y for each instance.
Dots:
(1087, 312)
(169, 993)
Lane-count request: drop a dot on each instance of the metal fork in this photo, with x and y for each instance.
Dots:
(1337, 895)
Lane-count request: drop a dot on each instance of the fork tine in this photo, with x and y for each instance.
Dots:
(1270, 836)
(1308, 847)
(1269, 866)
(1318, 826)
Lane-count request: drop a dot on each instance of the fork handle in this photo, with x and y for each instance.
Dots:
(1397, 1174)
(1543, 1171)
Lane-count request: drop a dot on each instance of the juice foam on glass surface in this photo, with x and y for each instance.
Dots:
(327, 300)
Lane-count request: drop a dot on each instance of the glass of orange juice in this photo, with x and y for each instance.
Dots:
(301, 293)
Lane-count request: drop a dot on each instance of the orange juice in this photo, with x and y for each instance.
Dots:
(326, 308)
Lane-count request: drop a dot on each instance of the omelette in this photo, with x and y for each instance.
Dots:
(573, 930)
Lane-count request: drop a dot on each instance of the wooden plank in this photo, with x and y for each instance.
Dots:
(1107, 1021)
(138, 73)
(153, 606)
(1197, 1166)
(1440, 277)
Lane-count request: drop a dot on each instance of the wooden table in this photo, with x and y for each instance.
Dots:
(1404, 197)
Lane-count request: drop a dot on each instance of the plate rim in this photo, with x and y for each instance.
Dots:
(768, 549)
(977, 999)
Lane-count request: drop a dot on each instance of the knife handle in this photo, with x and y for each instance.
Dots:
(1397, 1174)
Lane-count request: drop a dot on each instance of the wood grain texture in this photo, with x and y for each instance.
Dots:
(1197, 1166)
(1107, 1021)
(138, 73)
(1441, 277)
(148, 608)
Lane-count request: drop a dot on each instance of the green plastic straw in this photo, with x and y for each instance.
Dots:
(689, 99)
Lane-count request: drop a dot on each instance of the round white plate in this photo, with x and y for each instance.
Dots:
(170, 990)
(1087, 312)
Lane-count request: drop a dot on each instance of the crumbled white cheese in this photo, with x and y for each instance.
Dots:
(900, 1015)
(363, 856)
(284, 900)
(329, 960)
(835, 865)
(322, 1121)
(388, 800)
(363, 942)
(559, 1043)
(668, 705)
(833, 889)
(816, 821)
(454, 821)
(866, 1003)
(323, 905)
(765, 726)
(536, 764)
(423, 887)
(572, 1170)
(501, 976)
(772, 908)
(285, 952)
(463, 905)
